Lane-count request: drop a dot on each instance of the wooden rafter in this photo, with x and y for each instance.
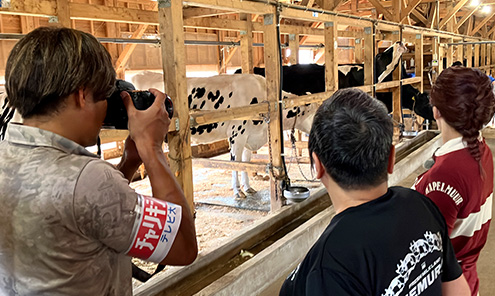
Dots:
(466, 17)
(379, 7)
(452, 13)
(404, 14)
(482, 23)
(193, 12)
(129, 48)
(492, 30)
(419, 16)
(431, 16)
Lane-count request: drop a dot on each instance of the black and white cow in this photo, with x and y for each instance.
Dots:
(229, 91)
(301, 79)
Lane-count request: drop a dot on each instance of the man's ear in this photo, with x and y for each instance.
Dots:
(79, 98)
(319, 168)
(391, 160)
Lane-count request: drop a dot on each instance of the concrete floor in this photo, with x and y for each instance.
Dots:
(486, 262)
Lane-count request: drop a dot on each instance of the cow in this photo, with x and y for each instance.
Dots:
(229, 91)
(301, 79)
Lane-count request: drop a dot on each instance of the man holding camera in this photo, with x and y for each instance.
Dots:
(69, 221)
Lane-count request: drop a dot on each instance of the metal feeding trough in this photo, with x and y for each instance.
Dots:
(296, 194)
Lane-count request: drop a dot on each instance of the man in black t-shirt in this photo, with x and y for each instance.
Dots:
(382, 241)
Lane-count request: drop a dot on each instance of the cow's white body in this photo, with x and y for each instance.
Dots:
(229, 91)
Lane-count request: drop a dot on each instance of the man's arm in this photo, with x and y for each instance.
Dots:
(148, 129)
(130, 161)
(457, 287)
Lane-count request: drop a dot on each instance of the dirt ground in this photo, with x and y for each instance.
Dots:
(218, 214)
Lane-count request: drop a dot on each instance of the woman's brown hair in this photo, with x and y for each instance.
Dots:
(465, 99)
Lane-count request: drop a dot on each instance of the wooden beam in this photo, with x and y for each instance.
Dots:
(247, 45)
(379, 7)
(466, 17)
(331, 59)
(328, 4)
(432, 16)
(418, 58)
(481, 24)
(294, 49)
(369, 46)
(195, 12)
(452, 13)
(272, 68)
(63, 13)
(404, 14)
(174, 69)
(491, 31)
(419, 16)
(215, 23)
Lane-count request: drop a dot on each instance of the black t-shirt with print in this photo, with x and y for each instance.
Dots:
(394, 245)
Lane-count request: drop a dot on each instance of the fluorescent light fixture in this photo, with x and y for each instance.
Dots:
(486, 9)
(474, 3)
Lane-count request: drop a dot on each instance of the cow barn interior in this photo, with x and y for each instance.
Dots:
(269, 234)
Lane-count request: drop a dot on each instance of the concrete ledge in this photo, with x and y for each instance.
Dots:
(256, 275)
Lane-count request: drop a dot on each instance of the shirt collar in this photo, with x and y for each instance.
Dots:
(454, 145)
(33, 136)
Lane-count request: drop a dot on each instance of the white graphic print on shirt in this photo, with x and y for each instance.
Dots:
(419, 249)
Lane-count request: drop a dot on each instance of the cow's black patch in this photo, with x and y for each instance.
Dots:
(302, 114)
(194, 107)
(200, 92)
(223, 123)
(291, 114)
(233, 126)
(244, 122)
(232, 156)
(239, 127)
(202, 105)
(201, 129)
(228, 106)
(254, 101)
(213, 97)
(217, 104)
(230, 94)
(242, 132)
(193, 130)
(193, 90)
(256, 122)
(189, 99)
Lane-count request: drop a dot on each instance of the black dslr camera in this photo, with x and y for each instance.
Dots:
(117, 114)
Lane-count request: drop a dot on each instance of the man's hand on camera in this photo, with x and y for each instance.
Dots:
(148, 127)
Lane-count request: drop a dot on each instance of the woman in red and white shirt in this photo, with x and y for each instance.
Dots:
(460, 182)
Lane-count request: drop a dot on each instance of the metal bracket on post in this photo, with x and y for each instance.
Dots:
(164, 3)
(177, 125)
(367, 30)
(418, 36)
(53, 19)
(242, 32)
(292, 37)
(328, 24)
(357, 40)
(268, 19)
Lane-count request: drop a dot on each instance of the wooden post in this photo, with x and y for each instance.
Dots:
(469, 55)
(450, 53)
(247, 45)
(460, 52)
(476, 55)
(418, 57)
(489, 59)
(369, 53)
(63, 13)
(483, 57)
(358, 50)
(331, 66)
(294, 49)
(272, 68)
(174, 74)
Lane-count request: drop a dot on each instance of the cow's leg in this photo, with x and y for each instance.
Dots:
(236, 155)
(246, 156)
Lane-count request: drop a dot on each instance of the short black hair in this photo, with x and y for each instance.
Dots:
(352, 137)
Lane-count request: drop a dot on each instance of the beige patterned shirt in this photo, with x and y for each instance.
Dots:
(66, 218)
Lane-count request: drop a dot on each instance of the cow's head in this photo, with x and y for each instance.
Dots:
(387, 61)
